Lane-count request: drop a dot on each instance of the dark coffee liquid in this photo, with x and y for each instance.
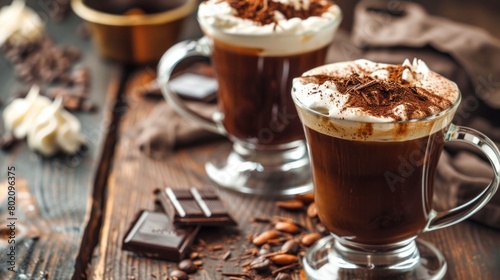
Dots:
(254, 92)
(371, 192)
(120, 7)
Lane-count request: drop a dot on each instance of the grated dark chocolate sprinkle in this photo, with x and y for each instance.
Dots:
(262, 11)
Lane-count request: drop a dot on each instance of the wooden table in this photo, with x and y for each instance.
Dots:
(87, 204)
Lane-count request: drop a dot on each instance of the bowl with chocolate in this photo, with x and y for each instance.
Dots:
(133, 31)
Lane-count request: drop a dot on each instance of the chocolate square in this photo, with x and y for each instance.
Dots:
(153, 235)
(194, 207)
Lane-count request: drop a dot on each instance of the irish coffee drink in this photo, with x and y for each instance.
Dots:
(258, 47)
(373, 166)
(375, 134)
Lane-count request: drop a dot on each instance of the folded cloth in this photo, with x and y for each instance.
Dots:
(465, 54)
(164, 130)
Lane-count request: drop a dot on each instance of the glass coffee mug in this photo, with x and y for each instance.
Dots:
(375, 196)
(268, 155)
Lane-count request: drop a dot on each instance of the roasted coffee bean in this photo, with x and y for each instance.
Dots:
(265, 249)
(194, 255)
(290, 247)
(287, 227)
(292, 205)
(312, 211)
(72, 103)
(283, 276)
(284, 259)
(260, 264)
(187, 266)
(177, 274)
(310, 238)
(262, 238)
(306, 197)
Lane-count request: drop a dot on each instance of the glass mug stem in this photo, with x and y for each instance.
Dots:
(475, 138)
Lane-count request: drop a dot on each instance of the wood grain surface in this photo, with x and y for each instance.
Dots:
(62, 186)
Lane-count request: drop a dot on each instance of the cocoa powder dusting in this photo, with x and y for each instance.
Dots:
(396, 72)
(262, 11)
(380, 97)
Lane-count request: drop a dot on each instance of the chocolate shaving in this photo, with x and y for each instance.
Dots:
(262, 11)
(380, 97)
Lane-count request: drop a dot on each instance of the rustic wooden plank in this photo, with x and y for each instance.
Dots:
(471, 249)
(62, 186)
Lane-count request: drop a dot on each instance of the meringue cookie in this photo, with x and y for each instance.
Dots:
(19, 23)
(47, 126)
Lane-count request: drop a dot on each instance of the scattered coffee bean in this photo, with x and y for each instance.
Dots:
(260, 264)
(309, 239)
(264, 250)
(287, 227)
(72, 103)
(260, 220)
(312, 211)
(292, 205)
(290, 247)
(177, 274)
(187, 266)
(306, 198)
(284, 259)
(194, 255)
(262, 238)
(283, 276)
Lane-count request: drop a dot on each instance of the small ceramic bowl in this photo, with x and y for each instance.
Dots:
(134, 31)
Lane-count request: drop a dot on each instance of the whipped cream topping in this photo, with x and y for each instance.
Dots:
(412, 92)
(19, 24)
(47, 126)
(221, 21)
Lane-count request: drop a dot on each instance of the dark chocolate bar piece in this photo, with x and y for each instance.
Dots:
(153, 235)
(193, 206)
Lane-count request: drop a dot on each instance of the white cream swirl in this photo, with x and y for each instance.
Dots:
(47, 126)
(348, 121)
(332, 102)
(220, 21)
(19, 23)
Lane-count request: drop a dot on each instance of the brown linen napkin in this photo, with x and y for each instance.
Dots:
(164, 130)
(465, 54)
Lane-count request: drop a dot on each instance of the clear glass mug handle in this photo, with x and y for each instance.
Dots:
(484, 144)
(166, 66)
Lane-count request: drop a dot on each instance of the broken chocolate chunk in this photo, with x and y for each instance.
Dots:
(194, 207)
(153, 235)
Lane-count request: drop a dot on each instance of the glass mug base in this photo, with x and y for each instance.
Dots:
(272, 173)
(328, 259)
